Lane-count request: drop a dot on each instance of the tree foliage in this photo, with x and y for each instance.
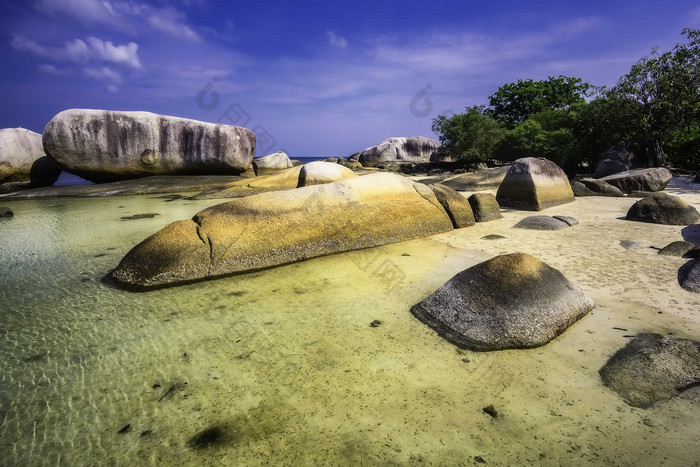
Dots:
(469, 136)
(514, 103)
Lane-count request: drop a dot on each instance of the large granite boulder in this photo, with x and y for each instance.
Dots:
(488, 179)
(653, 368)
(533, 184)
(412, 149)
(593, 187)
(103, 145)
(272, 163)
(23, 162)
(654, 179)
(485, 207)
(320, 173)
(627, 155)
(661, 208)
(511, 301)
(689, 275)
(271, 229)
(456, 205)
(313, 173)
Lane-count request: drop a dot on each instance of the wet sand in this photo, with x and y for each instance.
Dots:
(283, 367)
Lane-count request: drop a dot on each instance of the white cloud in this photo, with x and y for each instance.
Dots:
(55, 71)
(171, 22)
(79, 51)
(124, 54)
(74, 51)
(103, 74)
(87, 11)
(336, 41)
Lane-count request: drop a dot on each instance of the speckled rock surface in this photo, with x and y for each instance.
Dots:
(653, 368)
(654, 179)
(23, 162)
(533, 184)
(272, 163)
(593, 187)
(689, 276)
(543, 223)
(485, 207)
(102, 145)
(511, 301)
(298, 224)
(678, 248)
(456, 205)
(314, 173)
(413, 149)
(661, 208)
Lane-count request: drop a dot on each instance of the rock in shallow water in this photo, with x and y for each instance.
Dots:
(102, 145)
(23, 161)
(271, 229)
(652, 368)
(511, 301)
(661, 208)
(534, 184)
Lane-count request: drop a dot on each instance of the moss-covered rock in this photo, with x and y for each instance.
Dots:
(271, 229)
(533, 184)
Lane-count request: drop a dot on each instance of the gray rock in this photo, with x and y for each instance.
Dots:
(456, 205)
(508, 302)
(542, 223)
(598, 188)
(102, 145)
(663, 209)
(6, 212)
(485, 207)
(572, 221)
(678, 248)
(272, 163)
(654, 179)
(580, 189)
(640, 194)
(488, 179)
(689, 276)
(607, 167)
(653, 368)
(631, 244)
(23, 162)
(534, 184)
(319, 173)
(296, 225)
(414, 149)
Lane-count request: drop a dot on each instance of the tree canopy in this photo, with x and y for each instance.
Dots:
(515, 102)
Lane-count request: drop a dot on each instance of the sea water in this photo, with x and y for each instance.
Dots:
(313, 363)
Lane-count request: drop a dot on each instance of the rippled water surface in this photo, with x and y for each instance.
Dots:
(286, 366)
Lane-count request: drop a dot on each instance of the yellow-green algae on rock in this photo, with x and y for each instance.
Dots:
(271, 229)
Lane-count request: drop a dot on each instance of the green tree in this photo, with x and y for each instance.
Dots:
(470, 136)
(661, 95)
(514, 103)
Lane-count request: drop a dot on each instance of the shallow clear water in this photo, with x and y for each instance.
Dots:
(283, 367)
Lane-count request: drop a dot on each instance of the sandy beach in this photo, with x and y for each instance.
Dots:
(284, 368)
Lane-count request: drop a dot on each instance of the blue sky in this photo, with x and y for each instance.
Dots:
(312, 78)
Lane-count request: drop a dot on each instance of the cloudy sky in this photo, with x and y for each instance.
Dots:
(311, 78)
